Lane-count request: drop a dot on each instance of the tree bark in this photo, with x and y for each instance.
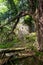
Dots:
(40, 24)
(38, 16)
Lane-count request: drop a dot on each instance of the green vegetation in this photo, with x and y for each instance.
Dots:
(29, 13)
(29, 39)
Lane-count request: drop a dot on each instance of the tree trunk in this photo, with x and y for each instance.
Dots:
(40, 24)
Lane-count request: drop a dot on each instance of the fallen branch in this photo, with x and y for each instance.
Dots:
(18, 53)
(11, 50)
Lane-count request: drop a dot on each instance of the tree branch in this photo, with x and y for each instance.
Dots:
(19, 15)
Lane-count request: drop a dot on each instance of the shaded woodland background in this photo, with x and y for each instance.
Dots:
(21, 25)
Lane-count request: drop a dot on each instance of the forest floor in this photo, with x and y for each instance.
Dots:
(28, 41)
(19, 56)
(23, 52)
